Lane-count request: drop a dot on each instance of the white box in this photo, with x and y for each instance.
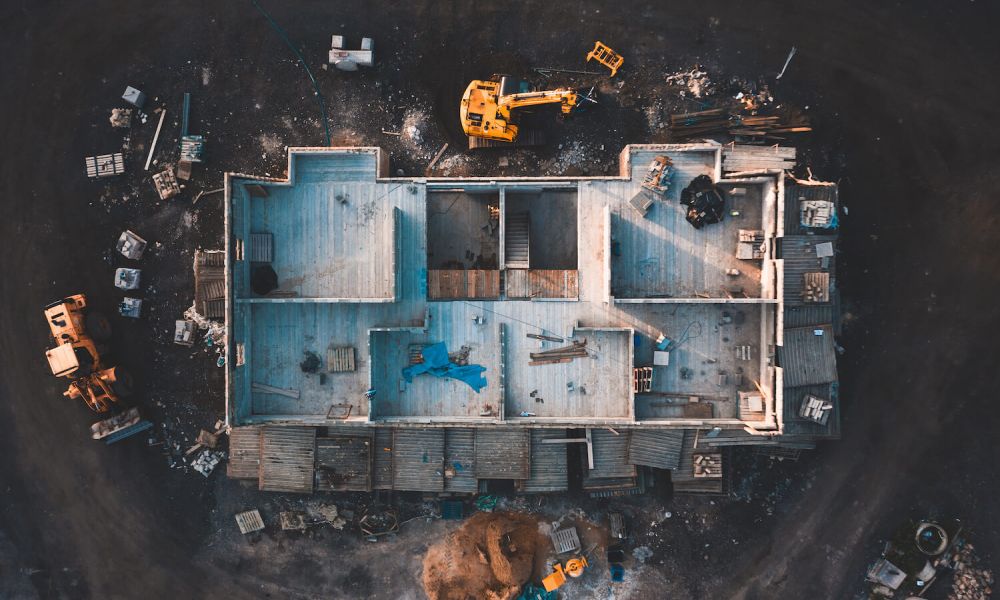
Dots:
(661, 358)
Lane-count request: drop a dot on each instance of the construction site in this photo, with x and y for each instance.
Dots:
(574, 315)
(617, 302)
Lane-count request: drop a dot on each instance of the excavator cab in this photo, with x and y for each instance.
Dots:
(74, 331)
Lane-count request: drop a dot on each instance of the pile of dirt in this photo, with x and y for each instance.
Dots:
(491, 556)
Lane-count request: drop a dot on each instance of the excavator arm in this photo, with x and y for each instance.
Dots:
(567, 98)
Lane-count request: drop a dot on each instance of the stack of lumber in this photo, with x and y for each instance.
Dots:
(724, 121)
(703, 122)
(559, 355)
(737, 158)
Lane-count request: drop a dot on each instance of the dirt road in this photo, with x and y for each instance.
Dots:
(906, 93)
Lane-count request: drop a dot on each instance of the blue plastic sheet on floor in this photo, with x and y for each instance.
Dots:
(532, 592)
(436, 363)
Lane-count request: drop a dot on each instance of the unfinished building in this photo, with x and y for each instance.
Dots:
(450, 334)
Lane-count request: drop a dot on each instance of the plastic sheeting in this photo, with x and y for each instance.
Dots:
(437, 363)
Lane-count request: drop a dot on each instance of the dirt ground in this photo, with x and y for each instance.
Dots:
(903, 99)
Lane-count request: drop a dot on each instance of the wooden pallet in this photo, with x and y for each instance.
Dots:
(340, 360)
(249, 521)
(261, 247)
(642, 379)
(105, 165)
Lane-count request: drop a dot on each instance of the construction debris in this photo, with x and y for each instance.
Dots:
(657, 178)
(816, 287)
(206, 462)
(791, 53)
(707, 465)
(127, 279)
(192, 146)
(270, 389)
(436, 158)
(970, 582)
(130, 307)
(156, 136)
(547, 338)
(293, 520)
(642, 379)
(203, 193)
(565, 540)
(184, 332)
(215, 332)
(694, 82)
(817, 213)
(121, 117)
(350, 60)
(192, 149)
(377, 522)
(134, 97)
(131, 245)
(716, 121)
(166, 184)
(565, 354)
(705, 201)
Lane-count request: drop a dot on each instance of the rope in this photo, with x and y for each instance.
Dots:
(302, 61)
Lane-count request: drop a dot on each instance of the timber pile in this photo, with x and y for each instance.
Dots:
(970, 582)
(724, 121)
(559, 355)
(817, 287)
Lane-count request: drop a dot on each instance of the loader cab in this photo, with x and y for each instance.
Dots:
(67, 360)
(65, 318)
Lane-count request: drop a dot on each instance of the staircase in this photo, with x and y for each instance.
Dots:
(518, 237)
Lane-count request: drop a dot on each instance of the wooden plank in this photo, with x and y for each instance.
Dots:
(287, 459)
(270, 389)
(549, 361)
(547, 338)
(448, 284)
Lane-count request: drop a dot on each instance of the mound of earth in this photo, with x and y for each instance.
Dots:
(491, 556)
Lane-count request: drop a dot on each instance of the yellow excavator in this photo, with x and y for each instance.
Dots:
(77, 355)
(488, 109)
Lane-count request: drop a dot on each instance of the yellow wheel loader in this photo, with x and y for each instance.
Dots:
(78, 335)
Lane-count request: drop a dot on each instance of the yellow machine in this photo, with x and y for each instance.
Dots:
(606, 56)
(574, 568)
(101, 389)
(487, 109)
(77, 355)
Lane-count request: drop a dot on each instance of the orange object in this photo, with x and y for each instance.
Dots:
(574, 568)
(606, 56)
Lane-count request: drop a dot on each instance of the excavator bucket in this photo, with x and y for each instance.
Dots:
(606, 56)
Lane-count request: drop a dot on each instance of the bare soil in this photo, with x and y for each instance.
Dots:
(490, 556)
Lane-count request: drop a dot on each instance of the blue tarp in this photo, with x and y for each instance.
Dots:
(437, 363)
